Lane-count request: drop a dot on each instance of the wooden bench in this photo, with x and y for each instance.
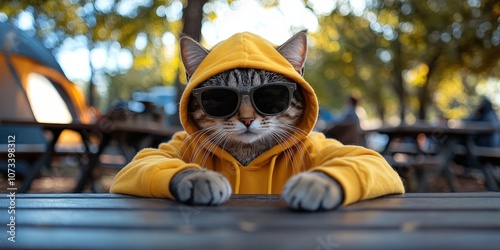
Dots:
(106, 131)
(445, 138)
(490, 159)
(482, 158)
(414, 169)
(486, 154)
(29, 153)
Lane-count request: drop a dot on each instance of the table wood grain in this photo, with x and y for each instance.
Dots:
(109, 221)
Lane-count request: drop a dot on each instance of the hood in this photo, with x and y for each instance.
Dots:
(247, 50)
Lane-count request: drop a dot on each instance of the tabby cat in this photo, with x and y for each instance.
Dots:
(247, 132)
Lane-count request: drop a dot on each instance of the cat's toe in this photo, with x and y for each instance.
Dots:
(203, 188)
(183, 191)
(312, 191)
(211, 189)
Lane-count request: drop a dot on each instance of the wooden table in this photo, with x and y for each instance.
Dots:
(104, 130)
(106, 221)
(448, 139)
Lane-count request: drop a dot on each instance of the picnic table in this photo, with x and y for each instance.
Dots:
(105, 131)
(455, 138)
(111, 221)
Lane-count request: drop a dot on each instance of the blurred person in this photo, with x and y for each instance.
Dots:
(486, 113)
(347, 128)
(483, 113)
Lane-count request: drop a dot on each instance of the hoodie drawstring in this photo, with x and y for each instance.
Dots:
(270, 175)
(238, 175)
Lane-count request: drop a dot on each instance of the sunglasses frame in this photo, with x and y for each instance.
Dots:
(291, 86)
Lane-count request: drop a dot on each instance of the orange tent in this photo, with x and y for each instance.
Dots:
(33, 87)
(31, 80)
(15, 95)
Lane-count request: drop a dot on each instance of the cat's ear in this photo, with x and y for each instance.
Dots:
(192, 53)
(295, 50)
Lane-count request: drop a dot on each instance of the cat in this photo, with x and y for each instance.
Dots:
(247, 134)
(248, 117)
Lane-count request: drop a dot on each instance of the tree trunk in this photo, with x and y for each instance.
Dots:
(381, 111)
(397, 81)
(192, 17)
(90, 45)
(424, 95)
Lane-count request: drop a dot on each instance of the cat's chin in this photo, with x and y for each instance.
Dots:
(247, 138)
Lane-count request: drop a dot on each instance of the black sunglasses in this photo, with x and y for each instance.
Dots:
(267, 99)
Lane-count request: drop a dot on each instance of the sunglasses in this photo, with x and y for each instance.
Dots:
(268, 99)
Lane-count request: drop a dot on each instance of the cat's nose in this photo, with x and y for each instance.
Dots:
(247, 121)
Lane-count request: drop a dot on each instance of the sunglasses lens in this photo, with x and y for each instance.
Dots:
(272, 99)
(219, 102)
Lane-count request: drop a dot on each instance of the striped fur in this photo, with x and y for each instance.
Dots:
(243, 143)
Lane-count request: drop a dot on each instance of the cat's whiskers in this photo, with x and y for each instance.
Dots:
(205, 144)
(290, 149)
(293, 132)
(297, 131)
(177, 150)
(280, 140)
(223, 146)
(216, 138)
(192, 141)
(197, 142)
(280, 137)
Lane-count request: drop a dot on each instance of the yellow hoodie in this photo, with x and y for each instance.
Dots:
(362, 173)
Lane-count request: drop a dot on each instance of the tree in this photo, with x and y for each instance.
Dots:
(352, 56)
(106, 25)
(426, 50)
(192, 16)
(410, 59)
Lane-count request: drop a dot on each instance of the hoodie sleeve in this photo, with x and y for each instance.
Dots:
(363, 173)
(151, 170)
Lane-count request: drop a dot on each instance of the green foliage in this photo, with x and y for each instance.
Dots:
(415, 51)
(108, 24)
(405, 58)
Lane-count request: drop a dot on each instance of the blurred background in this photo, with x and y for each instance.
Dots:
(404, 60)
(408, 60)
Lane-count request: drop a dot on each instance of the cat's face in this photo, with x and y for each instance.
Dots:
(247, 125)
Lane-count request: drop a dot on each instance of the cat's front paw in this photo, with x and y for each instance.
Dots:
(313, 191)
(200, 187)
